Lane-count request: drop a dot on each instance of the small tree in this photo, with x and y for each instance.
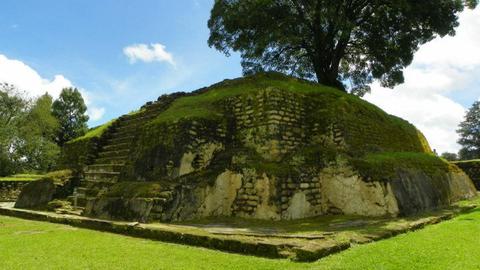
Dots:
(332, 40)
(469, 132)
(70, 109)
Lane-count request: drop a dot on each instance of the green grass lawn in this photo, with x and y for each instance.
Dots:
(21, 177)
(453, 244)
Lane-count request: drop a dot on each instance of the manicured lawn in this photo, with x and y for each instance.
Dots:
(21, 177)
(453, 244)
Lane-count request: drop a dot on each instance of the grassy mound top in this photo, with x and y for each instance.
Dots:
(95, 132)
(203, 104)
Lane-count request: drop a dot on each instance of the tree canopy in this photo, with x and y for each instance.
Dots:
(469, 132)
(27, 132)
(70, 111)
(340, 43)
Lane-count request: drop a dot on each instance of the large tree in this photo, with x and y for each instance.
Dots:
(469, 132)
(340, 43)
(70, 110)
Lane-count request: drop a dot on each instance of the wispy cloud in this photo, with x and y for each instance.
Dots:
(155, 52)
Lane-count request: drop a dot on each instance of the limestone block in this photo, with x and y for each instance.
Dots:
(219, 199)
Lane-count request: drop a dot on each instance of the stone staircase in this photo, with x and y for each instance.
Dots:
(114, 152)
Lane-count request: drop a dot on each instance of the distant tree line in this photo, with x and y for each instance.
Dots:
(33, 130)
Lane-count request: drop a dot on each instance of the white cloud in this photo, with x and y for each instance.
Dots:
(96, 114)
(444, 66)
(148, 53)
(28, 80)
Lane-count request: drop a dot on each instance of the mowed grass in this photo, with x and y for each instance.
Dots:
(453, 244)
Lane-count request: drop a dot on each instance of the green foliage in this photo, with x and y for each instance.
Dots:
(70, 111)
(40, 152)
(449, 156)
(469, 132)
(27, 133)
(334, 40)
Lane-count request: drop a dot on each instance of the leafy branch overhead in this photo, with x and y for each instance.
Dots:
(342, 43)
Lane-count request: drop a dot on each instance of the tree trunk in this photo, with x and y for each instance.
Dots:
(329, 78)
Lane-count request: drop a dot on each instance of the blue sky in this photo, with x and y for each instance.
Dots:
(122, 54)
(84, 42)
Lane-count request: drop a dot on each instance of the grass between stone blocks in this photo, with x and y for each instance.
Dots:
(452, 244)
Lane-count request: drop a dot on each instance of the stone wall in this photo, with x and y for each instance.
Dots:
(273, 122)
(472, 169)
(9, 190)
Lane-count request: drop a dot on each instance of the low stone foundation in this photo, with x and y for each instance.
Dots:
(9, 190)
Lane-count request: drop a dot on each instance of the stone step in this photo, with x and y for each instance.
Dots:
(123, 133)
(111, 160)
(105, 167)
(143, 116)
(119, 140)
(101, 178)
(118, 146)
(101, 173)
(80, 190)
(129, 125)
(114, 153)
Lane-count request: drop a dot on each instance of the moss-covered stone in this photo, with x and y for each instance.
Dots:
(266, 146)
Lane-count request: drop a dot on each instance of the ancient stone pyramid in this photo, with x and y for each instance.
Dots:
(266, 146)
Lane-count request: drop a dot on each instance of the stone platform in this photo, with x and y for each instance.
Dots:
(300, 240)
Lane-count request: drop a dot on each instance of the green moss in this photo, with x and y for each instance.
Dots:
(384, 166)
